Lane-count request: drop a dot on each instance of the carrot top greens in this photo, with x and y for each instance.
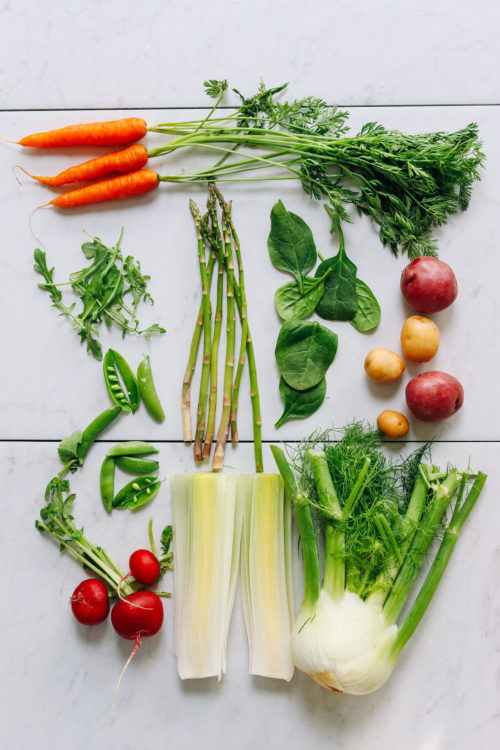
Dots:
(408, 184)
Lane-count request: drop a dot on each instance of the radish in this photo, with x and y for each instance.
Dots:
(138, 614)
(90, 602)
(144, 566)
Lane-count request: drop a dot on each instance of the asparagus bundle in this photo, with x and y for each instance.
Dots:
(218, 250)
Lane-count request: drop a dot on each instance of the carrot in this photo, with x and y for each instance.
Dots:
(110, 133)
(127, 160)
(124, 186)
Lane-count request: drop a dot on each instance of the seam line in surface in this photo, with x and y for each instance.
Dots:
(240, 442)
(207, 107)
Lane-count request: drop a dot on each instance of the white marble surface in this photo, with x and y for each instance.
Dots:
(57, 679)
(390, 52)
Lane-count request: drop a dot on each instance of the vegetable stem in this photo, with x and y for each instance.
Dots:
(207, 338)
(433, 515)
(214, 354)
(438, 567)
(223, 432)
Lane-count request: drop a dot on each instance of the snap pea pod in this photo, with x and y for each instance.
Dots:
(136, 493)
(107, 482)
(94, 429)
(134, 465)
(120, 380)
(148, 392)
(132, 448)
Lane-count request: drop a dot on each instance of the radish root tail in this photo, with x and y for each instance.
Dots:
(115, 694)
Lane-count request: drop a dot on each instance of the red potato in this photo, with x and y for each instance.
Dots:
(90, 602)
(428, 285)
(433, 396)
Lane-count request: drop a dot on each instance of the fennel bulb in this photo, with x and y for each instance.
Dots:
(344, 645)
(378, 520)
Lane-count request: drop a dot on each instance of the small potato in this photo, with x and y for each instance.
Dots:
(419, 338)
(392, 423)
(433, 396)
(384, 366)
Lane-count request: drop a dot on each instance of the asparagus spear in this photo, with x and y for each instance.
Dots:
(207, 337)
(223, 432)
(193, 354)
(226, 207)
(214, 354)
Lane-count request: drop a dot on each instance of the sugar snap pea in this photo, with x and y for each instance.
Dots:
(132, 448)
(107, 482)
(94, 429)
(134, 465)
(148, 391)
(121, 382)
(136, 493)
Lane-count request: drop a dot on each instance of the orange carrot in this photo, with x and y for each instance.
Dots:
(110, 133)
(125, 186)
(127, 160)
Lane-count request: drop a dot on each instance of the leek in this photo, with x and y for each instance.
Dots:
(210, 511)
(378, 521)
(207, 533)
(266, 575)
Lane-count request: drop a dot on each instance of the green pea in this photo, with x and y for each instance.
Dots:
(136, 493)
(121, 382)
(107, 482)
(148, 391)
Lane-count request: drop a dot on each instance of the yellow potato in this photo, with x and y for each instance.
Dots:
(392, 423)
(384, 366)
(419, 338)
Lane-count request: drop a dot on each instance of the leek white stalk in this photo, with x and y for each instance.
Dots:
(207, 534)
(377, 532)
(266, 575)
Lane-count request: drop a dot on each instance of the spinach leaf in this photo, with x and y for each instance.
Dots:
(339, 301)
(368, 313)
(291, 244)
(290, 303)
(304, 352)
(300, 404)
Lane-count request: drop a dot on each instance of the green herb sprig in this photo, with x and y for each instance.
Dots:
(110, 289)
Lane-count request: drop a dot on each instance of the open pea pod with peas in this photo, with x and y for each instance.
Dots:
(126, 390)
(120, 381)
(130, 456)
(137, 493)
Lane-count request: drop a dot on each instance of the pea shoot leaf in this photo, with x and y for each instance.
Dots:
(105, 289)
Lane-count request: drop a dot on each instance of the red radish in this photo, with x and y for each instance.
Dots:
(144, 566)
(138, 614)
(90, 602)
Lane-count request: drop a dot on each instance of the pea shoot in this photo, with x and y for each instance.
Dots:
(110, 290)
